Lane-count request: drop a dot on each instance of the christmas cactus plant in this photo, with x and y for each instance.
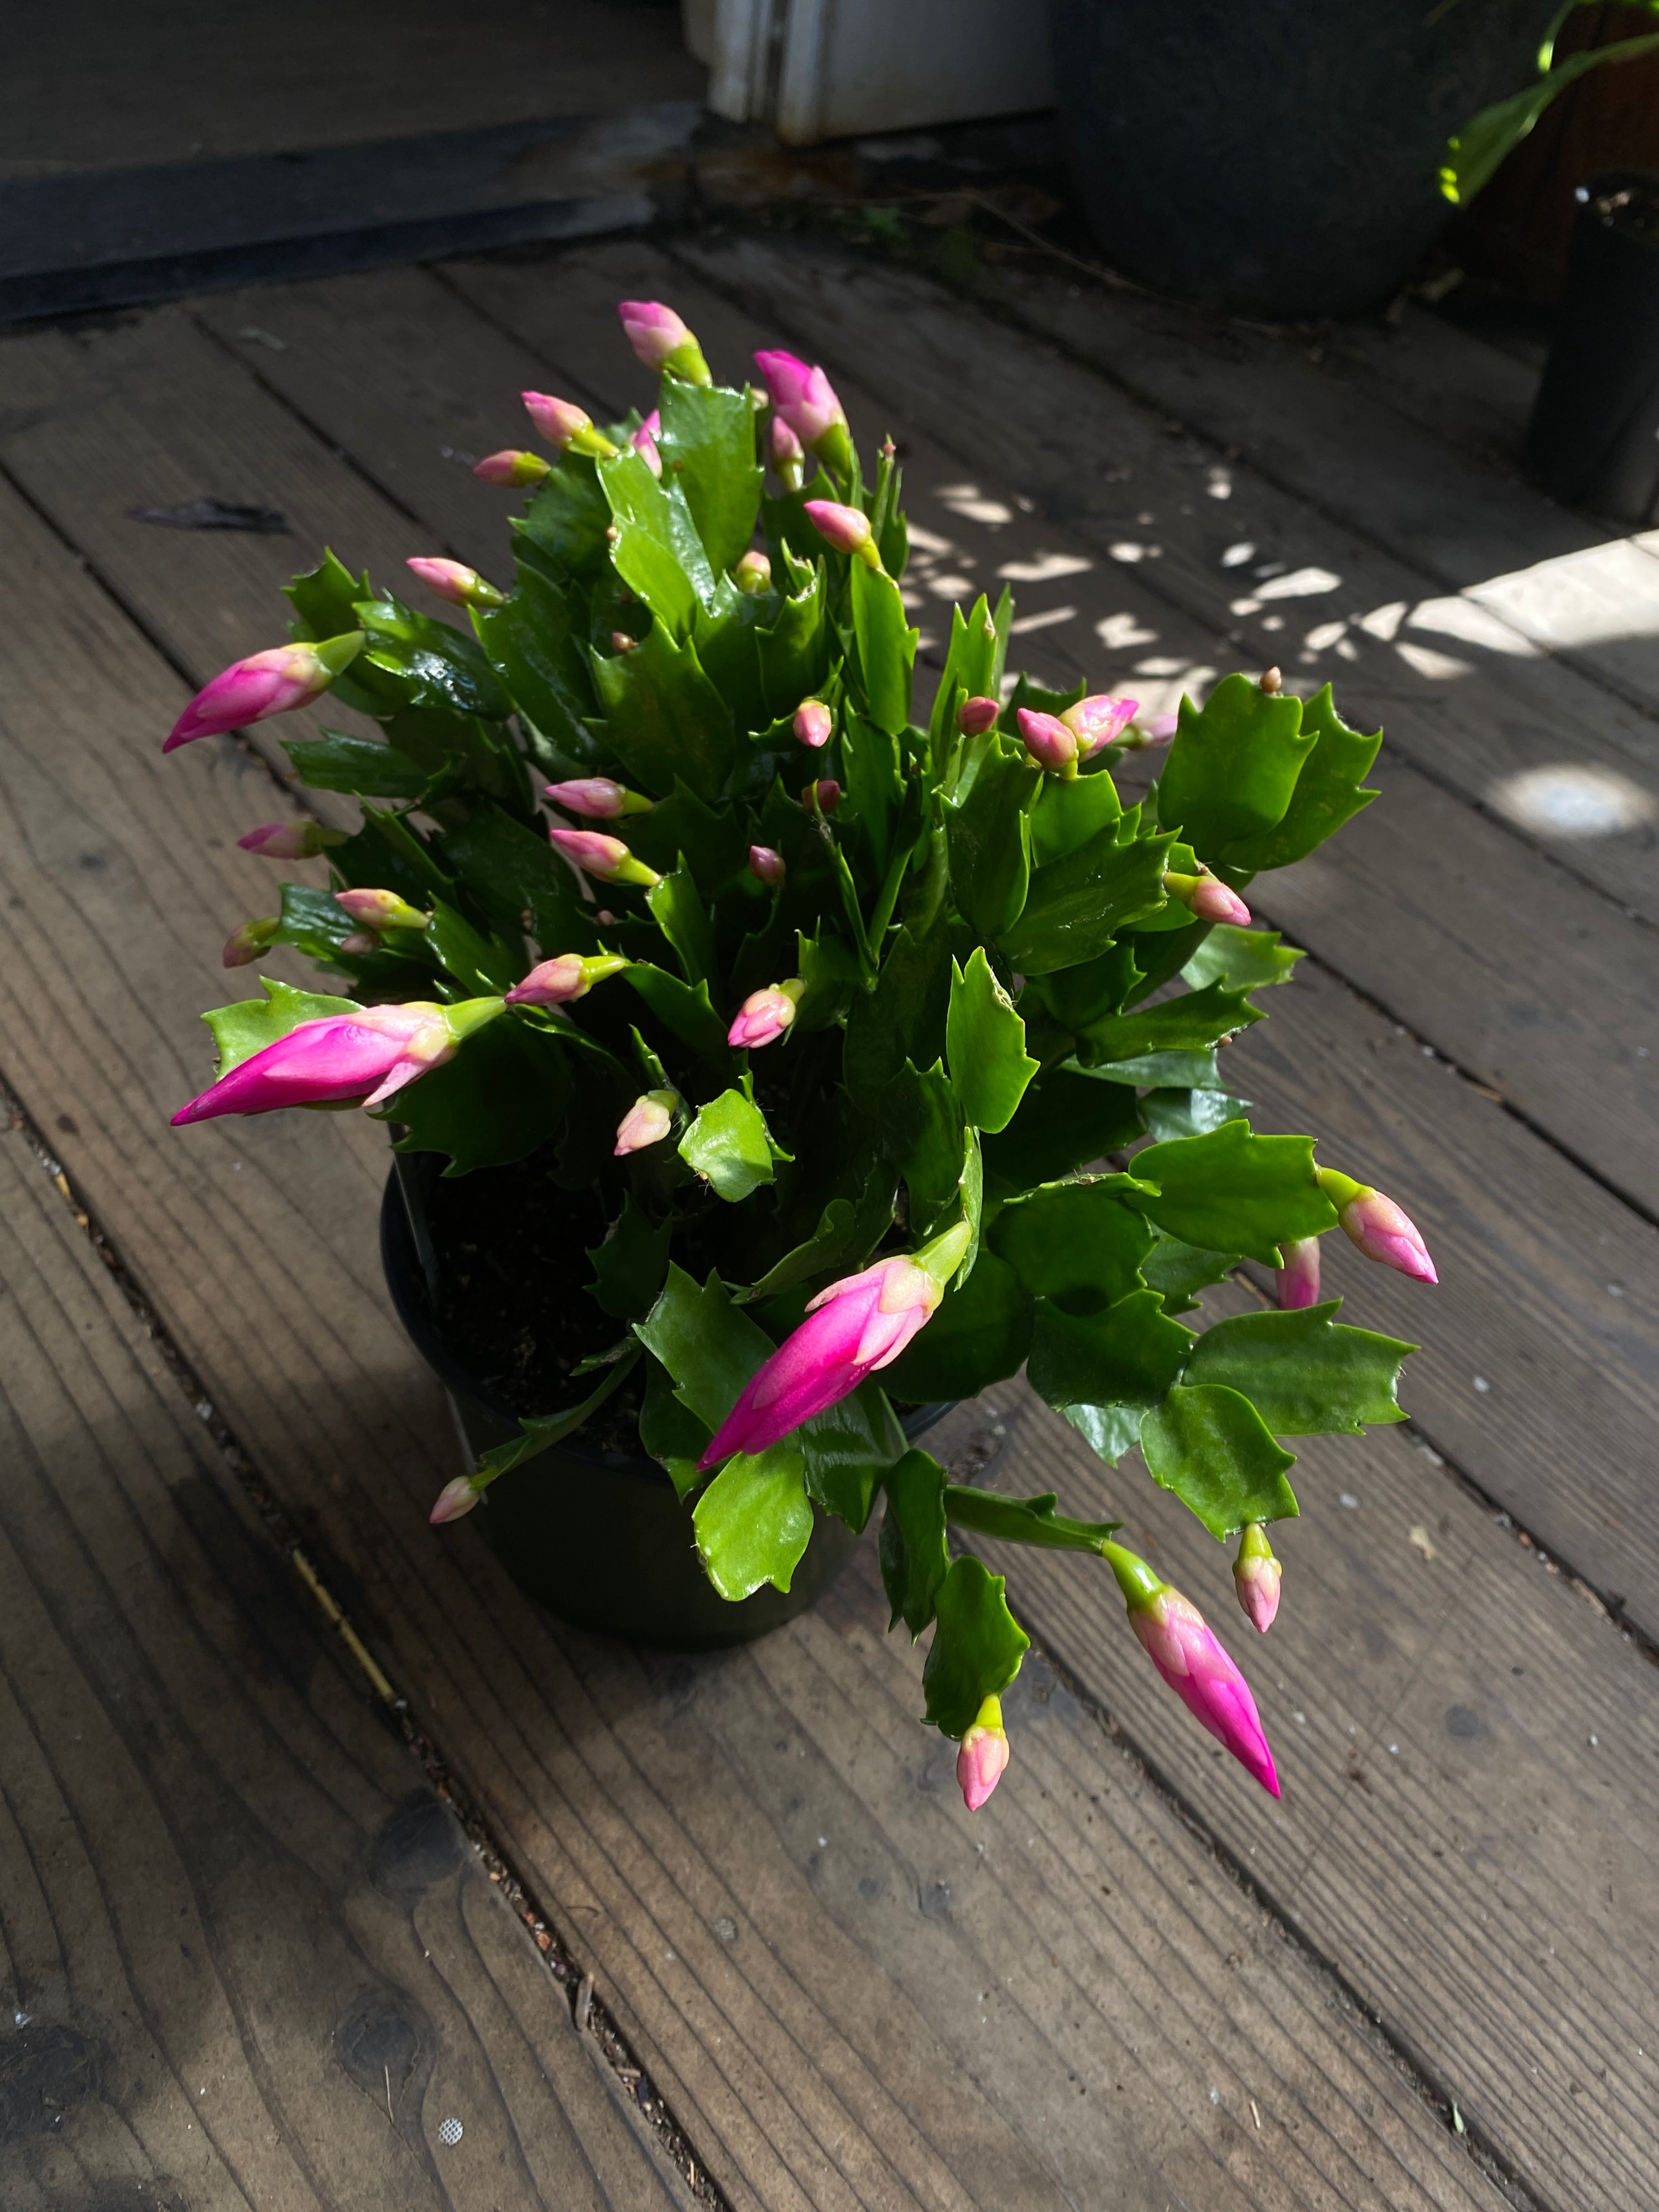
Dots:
(856, 1020)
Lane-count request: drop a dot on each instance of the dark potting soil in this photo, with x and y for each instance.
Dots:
(512, 1267)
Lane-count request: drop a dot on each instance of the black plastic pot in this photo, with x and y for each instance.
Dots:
(1272, 158)
(1594, 438)
(597, 1537)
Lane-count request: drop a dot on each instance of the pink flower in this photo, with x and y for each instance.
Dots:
(983, 1755)
(1381, 1229)
(1048, 741)
(753, 574)
(454, 582)
(1256, 1577)
(1298, 1278)
(646, 1121)
(511, 468)
(851, 1329)
(559, 981)
(786, 452)
(766, 866)
(765, 1016)
(454, 1499)
(265, 683)
(607, 858)
(247, 943)
(976, 716)
(291, 840)
(803, 398)
(381, 910)
(596, 796)
(845, 528)
(1097, 719)
(368, 1054)
(822, 796)
(1207, 898)
(812, 724)
(662, 340)
(1187, 1652)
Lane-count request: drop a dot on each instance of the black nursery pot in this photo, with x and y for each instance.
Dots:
(596, 1536)
(1272, 159)
(1594, 438)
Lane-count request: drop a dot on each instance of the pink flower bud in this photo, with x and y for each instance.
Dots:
(646, 1121)
(1047, 740)
(765, 1016)
(376, 909)
(786, 452)
(976, 716)
(454, 1499)
(1256, 1577)
(360, 942)
(607, 858)
(983, 1755)
(845, 528)
(561, 421)
(1207, 898)
(291, 840)
(1097, 720)
(1189, 1655)
(368, 1055)
(1377, 1226)
(1298, 1278)
(813, 723)
(596, 796)
(645, 442)
(822, 796)
(753, 574)
(622, 642)
(1158, 729)
(766, 866)
(804, 400)
(662, 340)
(552, 983)
(454, 582)
(511, 468)
(265, 683)
(247, 943)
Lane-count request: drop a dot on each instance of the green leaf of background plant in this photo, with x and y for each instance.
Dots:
(1474, 156)
(985, 1046)
(509, 870)
(1242, 959)
(1234, 1191)
(248, 1026)
(1210, 1447)
(914, 1556)
(1173, 1111)
(754, 1520)
(923, 1129)
(977, 1649)
(1303, 1372)
(730, 1144)
(1328, 791)
(1232, 768)
(1129, 1354)
(794, 650)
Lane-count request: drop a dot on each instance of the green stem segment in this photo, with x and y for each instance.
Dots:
(1137, 1581)
(1025, 1521)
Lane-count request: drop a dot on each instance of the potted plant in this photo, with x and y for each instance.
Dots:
(765, 1037)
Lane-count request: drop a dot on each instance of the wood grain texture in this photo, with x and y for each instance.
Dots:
(246, 1956)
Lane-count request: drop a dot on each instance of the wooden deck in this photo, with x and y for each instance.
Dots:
(248, 1956)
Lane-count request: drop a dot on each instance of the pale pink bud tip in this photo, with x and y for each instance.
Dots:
(1047, 740)
(1190, 1656)
(1384, 1232)
(984, 1757)
(1298, 1278)
(822, 796)
(454, 1499)
(1256, 1575)
(785, 447)
(976, 716)
(607, 858)
(766, 866)
(753, 574)
(646, 1121)
(813, 723)
(654, 330)
(265, 683)
(289, 840)
(645, 442)
(559, 421)
(845, 528)
(378, 909)
(1213, 901)
(511, 468)
(763, 1017)
(454, 582)
(803, 398)
(1098, 720)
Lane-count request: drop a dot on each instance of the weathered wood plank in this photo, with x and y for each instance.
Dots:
(248, 1956)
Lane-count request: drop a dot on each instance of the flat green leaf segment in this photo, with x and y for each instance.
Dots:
(1240, 959)
(1303, 1372)
(250, 1024)
(976, 1650)
(1257, 780)
(1232, 1191)
(1024, 1520)
(540, 1431)
(985, 1046)
(914, 1556)
(1211, 1447)
(754, 1520)
(709, 1348)
(730, 1145)
(505, 1092)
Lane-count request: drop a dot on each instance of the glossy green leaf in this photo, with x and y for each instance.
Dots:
(630, 1265)
(754, 1520)
(504, 1093)
(1023, 1520)
(887, 647)
(1065, 1120)
(874, 787)
(1076, 1240)
(669, 1432)
(1171, 1111)
(664, 717)
(1234, 1191)
(977, 1335)
(923, 1130)
(511, 871)
(1232, 768)
(1211, 1447)
(715, 840)
(568, 516)
(815, 1255)
(683, 1012)
(1192, 1022)
(977, 1649)
(248, 1026)
(793, 651)
(313, 923)
(1108, 1430)
(656, 552)
(985, 1046)
(1162, 1071)
(537, 645)
(325, 599)
(538, 1433)
(988, 828)
(970, 671)
(1302, 1371)
(1071, 812)
(1177, 1270)
(1089, 993)
(902, 1018)
(483, 968)
(829, 969)
(847, 1450)
(433, 664)
(707, 1343)
(707, 443)
(1242, 959)
(914, 1557)
(730, 1145)
(1076, 906)
(678, 911)
(367, 766)
(1328, 791)
(1129, 1354)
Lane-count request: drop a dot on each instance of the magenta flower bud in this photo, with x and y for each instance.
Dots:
(454, 582)
(662, 340)
(454, 1499)
(265, 683)
(765, 1016)
(983, 1755)
(766, 866)
(753, 574)
(1097, 720)
(247, 943)
(596, 796)
(1207, 898)
(558, 981)
(976, 716)
(1298, 1278)
(368, 1055)
(607, 858)
(813, 723)
(645, 442)
(1047, 740)
(565, 426)
(381, 910)
(822, 796)
(805, 401)
(1256, 1577)
(786, 454)
(511, 468)
(845, 528)
(851, 1329)
(622, 642)
(646, 1121)
(1381, 1229)
(1189, 1655)
(291, 840)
